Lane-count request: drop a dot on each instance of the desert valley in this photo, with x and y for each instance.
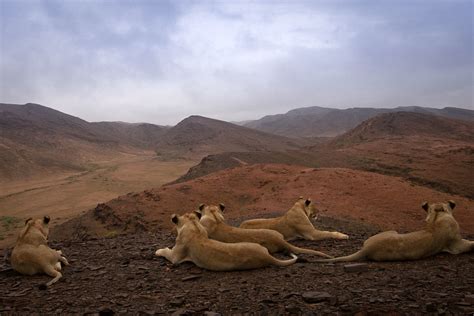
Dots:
(111, 187)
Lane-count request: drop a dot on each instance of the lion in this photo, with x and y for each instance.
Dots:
(441, 234)
(295, 223)
(31, 254)
(193, 244)
(213, 220)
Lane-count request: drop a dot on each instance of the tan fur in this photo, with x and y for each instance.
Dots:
(213, 220)
(31, 254)
(193, 244)
(441, 234)
(295, 223)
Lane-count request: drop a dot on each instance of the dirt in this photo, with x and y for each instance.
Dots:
(121, 275)
(69, 195)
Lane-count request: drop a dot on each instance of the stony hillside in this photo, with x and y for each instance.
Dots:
(121, 275)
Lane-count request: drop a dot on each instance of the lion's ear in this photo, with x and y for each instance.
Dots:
(46, 219)
(29, 219)
(222, 207)
(198, 214)
(201, 206)
(174, 219)
(307, 202)
(452, 204)
(425, 206)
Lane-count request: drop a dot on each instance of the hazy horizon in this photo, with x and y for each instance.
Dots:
(160, 62)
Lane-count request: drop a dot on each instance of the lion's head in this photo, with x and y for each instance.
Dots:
(35, 231)
(433, 210)
(212, 212)
(189, 221)
(309, 207)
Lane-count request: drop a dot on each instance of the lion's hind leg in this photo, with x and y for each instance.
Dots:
(460, 246)
(173, 255)
(52, 271)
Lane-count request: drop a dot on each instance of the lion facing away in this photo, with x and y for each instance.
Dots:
(193, 244)
(213, 220)
(31, 254)
(441, 234)
(295, 223)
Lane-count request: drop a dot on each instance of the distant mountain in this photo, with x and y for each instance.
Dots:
(197, 135)
(397, 124)
(36, 139)
(142, 135)
(323, 122)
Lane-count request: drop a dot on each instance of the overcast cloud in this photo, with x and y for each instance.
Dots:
(159, 61)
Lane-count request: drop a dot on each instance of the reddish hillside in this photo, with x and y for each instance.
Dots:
(429, 150)
(197, 135)
(249, 191)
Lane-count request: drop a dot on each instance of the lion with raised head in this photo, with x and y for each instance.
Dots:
(193, 244)
(31, 254)
(441, 234)
(295, 223)
(213, 220)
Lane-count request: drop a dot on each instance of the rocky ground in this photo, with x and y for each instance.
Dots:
(121, 275)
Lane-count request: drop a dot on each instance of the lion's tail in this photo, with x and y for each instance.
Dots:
(284, 263)
(295, 249)
(355, 256)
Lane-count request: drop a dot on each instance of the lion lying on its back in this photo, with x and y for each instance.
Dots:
(441, 234)
(295, 223)
(193, 244)
(32, 255)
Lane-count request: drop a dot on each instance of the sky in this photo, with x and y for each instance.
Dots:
(161, 61)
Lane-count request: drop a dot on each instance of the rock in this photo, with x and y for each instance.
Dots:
(430, 307)
(469, 298)
(177, 303)
(106, 311)
(356, 267)
(191, 277)
(301, 260)
(42, 287)
(183, 311)
(292, 309)
(210, 313)
(316, 297)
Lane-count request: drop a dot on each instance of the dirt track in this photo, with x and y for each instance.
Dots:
(122, 275)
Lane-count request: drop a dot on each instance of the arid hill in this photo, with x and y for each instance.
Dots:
(384, 201)
(37, 139)
(424, 149)
(199, 136)
(406, 124)
(320, 121)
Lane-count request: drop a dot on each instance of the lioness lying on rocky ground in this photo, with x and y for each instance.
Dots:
(31, 254)
(441, 234)
(295, 223)
(213, 220)
(193, 244)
